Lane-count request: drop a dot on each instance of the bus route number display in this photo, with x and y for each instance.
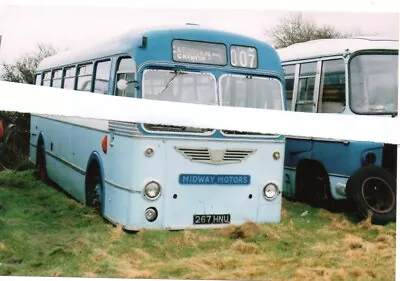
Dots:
(199, 52)
(245, 57)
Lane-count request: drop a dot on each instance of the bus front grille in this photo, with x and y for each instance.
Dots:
(215, 156)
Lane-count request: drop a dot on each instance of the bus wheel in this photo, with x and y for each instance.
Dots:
(373, 190)
(41, 163)
(94, 189)
(312, 185)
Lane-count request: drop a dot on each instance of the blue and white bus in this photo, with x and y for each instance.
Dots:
(145, 176)
(342, 76)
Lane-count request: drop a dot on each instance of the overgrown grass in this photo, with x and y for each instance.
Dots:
(44, 233)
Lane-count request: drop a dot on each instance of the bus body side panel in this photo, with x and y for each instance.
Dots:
(34, 137)
(69, 141)
(120, 174)
(340, 160)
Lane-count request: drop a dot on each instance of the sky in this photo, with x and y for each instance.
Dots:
(23, 27)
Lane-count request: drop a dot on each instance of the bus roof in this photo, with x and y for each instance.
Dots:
(131, 41)
(332, 47)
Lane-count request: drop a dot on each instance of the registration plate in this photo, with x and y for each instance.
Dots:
(211, 219)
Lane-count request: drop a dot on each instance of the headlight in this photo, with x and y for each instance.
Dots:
(151, 214)
(271, 191)
(152, 190)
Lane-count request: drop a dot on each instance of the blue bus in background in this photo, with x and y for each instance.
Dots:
(342, 76)
(146, 176)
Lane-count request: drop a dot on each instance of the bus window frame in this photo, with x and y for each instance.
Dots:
(94, 76)
(74, 76)
(36, 77)
(44, 75)
(116, 72)
(319, 61)
(320, 92)
(53, 71)
(257, 75)
(196, 68)
(291, 76)
(77, 76)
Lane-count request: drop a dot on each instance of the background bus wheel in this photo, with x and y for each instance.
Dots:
(312, 184)
(373, 190)
(41, 164)
(94, 191)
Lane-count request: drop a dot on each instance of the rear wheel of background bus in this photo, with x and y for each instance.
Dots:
(312, 184)
(94, 188)
(41, 161)
(373, 190)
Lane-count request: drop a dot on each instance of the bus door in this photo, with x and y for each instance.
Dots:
(303, 92)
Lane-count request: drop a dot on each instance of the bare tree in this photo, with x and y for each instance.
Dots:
(295, 28)
(23, 70)
(15, 153)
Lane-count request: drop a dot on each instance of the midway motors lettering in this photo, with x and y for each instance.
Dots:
(214, 179)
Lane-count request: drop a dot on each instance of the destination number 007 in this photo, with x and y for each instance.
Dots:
(243, 57)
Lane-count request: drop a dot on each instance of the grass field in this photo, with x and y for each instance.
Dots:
(45, 233)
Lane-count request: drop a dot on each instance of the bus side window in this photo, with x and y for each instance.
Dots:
(126, 70)
(305, 96)
(69, 78)
(289, 78)
(85, 74)
(56, 78)
(101, 77)
(38, 79)
(333, 99)
(47, 78)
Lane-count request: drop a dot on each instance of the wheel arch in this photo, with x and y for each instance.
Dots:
(95, 162)
(40, 141)
(307, 164)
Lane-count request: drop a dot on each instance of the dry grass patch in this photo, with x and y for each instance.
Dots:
(130, 265)
(245, 248)
(100, 255)
(190, 239)
(2, 246)
(89, 274)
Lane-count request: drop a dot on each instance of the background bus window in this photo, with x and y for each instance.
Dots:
(69, 78)
(57, 75)
(289, 78)
(102, 77)
(305, 97)
(47, 78)
(126, 70)
(333, 99)
(85, 74)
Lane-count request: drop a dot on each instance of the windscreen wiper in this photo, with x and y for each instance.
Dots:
(177, 72)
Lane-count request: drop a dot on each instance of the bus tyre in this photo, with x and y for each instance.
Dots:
(41, 163)
(373, 190)
(94, 190)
